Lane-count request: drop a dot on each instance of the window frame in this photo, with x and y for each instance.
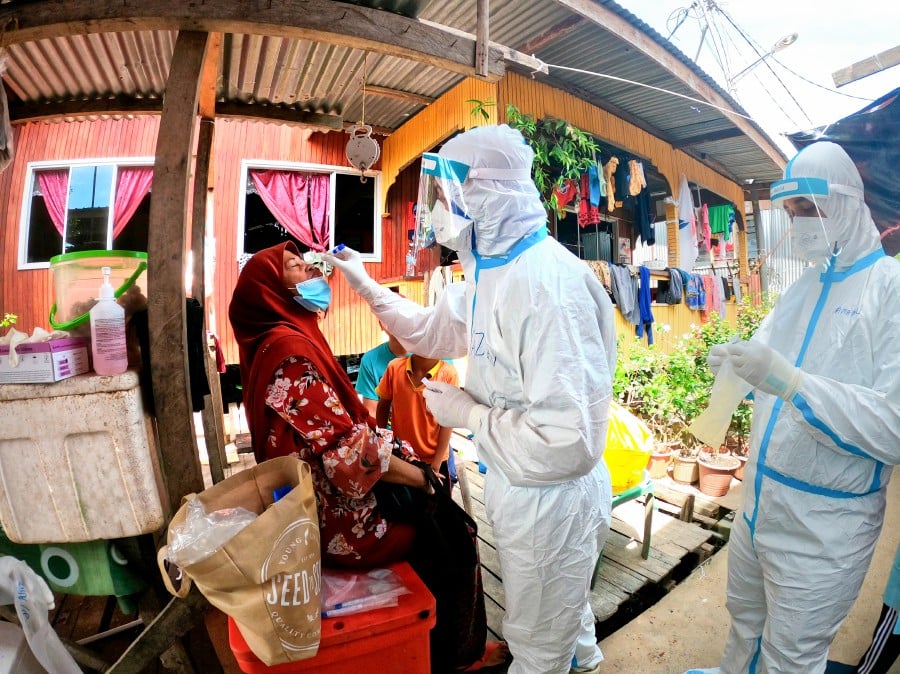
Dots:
(329, 169)
(51, 164)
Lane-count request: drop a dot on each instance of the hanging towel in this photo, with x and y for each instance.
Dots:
(608, 172)
(736, 285)
(636, 179)
(695, 293)
(646, 314)
(588, 214)
(687, 230)
(594, 184)
(565, 194)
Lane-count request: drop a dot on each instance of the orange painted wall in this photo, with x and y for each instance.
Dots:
(29, 293)
(349, 326)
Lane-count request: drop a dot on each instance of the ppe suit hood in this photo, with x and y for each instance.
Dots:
(503, 211)
(848, 220)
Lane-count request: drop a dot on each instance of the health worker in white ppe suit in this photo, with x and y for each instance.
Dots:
(824, 368)
(538, 330)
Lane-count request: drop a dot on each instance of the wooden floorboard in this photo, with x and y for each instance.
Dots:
(623, 573)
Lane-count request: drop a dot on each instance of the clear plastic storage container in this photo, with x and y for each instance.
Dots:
(77, 277)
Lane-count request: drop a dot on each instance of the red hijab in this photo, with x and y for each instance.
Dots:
(270, 326)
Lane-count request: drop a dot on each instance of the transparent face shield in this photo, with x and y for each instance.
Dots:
(440, 209)
(803, 201)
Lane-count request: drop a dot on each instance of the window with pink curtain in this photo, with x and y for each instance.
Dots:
(55, 188)
(132, 185)
(299, 201)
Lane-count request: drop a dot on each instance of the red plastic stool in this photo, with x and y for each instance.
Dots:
(381, 641)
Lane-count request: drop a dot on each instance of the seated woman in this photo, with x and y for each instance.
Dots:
(299, 401)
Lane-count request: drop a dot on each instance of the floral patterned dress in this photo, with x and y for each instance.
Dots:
(307, 420)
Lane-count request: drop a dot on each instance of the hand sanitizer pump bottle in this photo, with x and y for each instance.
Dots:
(108, 331)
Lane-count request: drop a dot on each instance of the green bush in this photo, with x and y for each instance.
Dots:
(669, 390)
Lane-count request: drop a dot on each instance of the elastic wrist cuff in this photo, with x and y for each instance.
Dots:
(476, 417)
(793, 384)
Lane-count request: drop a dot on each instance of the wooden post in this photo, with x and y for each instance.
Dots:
(180, 461)
(482, 37)
(212, 414)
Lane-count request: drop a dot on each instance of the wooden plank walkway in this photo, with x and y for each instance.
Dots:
(623, 574)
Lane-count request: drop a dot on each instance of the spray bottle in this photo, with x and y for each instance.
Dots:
(108, 331)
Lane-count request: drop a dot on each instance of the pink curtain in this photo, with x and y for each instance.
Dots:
(132, 185)
(54, 187)
(318, 201)
(288, 195)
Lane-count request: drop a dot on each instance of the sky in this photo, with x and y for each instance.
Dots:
(831, 35)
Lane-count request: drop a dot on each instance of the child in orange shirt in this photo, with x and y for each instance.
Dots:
(401, 402)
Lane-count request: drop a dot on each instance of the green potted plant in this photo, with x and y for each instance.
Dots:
(561, 152)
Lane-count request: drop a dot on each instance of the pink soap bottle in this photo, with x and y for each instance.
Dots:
(108, 331)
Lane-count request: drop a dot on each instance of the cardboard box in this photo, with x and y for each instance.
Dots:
(45, 362)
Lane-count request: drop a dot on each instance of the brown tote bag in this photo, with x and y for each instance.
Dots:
(268, 577)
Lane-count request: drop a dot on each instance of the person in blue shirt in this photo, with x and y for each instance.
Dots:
(371, 368)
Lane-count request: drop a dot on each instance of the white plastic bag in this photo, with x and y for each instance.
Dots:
(21, 586)
(728, 390)
(203, 534)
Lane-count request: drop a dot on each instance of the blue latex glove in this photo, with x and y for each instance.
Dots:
(764, 368)
(452, 407)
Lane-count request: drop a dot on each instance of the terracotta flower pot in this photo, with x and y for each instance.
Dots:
(739, 471)
(716, 473)
(684, 469)
(658, 464)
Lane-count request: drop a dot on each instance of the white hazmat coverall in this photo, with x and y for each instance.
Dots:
(823, 445)
(538, 330)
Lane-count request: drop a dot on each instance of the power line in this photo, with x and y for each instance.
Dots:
(816, 84)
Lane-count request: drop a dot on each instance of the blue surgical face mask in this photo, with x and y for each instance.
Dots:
(315, 294)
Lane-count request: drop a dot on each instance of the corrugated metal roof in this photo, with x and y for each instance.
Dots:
(328, 79)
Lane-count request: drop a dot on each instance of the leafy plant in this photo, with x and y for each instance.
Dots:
(8, 319)
(561, 152)
(479, 108)
(669, 390)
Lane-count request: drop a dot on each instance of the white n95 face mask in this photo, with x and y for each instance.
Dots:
(809, 238)
(447, 226)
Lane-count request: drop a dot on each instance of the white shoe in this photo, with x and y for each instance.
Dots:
(586, 670)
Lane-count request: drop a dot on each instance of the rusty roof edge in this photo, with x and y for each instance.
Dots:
(585, 8)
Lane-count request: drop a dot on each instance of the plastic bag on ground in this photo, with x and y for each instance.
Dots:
(21, 586)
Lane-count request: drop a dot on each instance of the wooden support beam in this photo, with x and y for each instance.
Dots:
(699, 139)
(552, 34)
(874, 64)
(408, 96)
(209, 78)
(325, 21)
(278, 113)
(174, 621)
(167, 241)
(212, 414)
(482, 37)
(124, 106)
(117, 106)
